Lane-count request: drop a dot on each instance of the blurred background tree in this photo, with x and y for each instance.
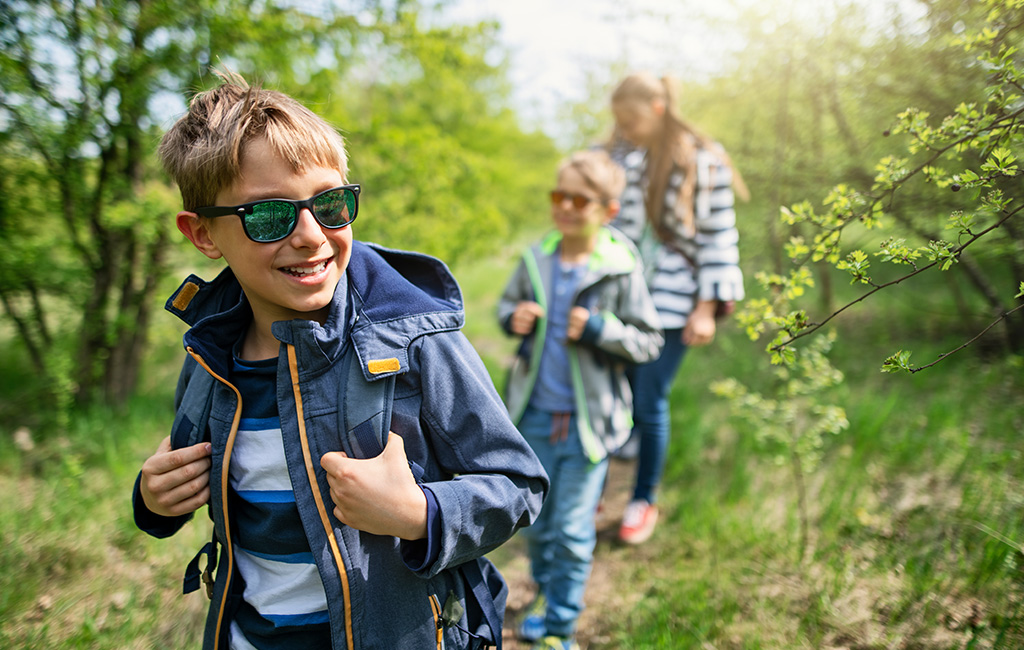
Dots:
(942, 113)
(87, 88)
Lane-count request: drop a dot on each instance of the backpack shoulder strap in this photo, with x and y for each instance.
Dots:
(194, 410)
(190, 428)
(364, 408)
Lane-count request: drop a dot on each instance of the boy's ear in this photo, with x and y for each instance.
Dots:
(611, 209)
(197, 230)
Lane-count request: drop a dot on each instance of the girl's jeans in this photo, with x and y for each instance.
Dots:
(651, 383)
(561, 542)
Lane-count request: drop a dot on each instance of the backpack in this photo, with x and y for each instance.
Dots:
(365, 416)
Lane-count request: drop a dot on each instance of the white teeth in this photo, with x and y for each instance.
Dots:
(306, 270)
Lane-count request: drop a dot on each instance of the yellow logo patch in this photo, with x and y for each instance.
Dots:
(377, 366)
(185, 296)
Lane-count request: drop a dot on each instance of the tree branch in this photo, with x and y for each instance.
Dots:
(980, 334)
(33, 348)
(816, 326)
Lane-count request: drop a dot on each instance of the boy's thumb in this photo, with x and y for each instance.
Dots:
(396, 445)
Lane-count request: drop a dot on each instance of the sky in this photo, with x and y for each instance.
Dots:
(553, 46)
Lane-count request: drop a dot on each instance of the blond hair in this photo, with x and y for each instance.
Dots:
(599, 172)
(676, 147)
(204, 149)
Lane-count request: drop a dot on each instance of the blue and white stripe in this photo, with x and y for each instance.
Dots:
(282, 586)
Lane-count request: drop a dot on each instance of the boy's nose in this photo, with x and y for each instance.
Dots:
(307, 230)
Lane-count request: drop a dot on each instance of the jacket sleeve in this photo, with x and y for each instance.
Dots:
(632, 330)
(498, 485)
(517, 290)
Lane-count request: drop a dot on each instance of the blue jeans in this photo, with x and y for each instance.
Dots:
(651, 383)
(561, 542)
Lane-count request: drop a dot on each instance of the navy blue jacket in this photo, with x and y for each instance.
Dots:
(400, 313)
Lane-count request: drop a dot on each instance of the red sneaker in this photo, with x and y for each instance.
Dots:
(638, 522)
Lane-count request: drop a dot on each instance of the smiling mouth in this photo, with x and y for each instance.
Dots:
(300, 271)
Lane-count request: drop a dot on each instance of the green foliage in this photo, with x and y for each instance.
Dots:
(915, 514)
(977, 139)
(792, 421)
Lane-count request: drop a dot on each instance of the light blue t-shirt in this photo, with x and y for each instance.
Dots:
(553, 391)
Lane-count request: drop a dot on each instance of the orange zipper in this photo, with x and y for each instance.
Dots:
(435, 607)
(293, 368)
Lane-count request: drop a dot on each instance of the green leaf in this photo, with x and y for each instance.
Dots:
(897, 362)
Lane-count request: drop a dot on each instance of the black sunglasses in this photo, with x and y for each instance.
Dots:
(578, 200)
(274, 219)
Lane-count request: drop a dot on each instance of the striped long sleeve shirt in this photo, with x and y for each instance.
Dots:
(700, 266)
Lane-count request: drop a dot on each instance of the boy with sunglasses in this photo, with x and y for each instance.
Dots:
(579, 300)
(322, 549)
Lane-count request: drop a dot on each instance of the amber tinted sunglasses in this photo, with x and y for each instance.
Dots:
(578, 200)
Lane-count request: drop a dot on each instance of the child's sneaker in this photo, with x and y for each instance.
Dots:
(638, 522)
(556, 643)
(531, 627)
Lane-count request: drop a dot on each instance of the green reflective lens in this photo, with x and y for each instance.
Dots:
(333, 208)
(270, 220)
(274, 219)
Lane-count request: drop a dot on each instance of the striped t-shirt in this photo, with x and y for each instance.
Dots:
(284, 600)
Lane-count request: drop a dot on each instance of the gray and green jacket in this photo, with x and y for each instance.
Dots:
(623, 328)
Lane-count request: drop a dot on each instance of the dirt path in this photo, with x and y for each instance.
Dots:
(605, 593)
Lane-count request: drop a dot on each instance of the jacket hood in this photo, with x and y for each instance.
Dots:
(386, 299)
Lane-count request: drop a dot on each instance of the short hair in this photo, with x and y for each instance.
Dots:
(203, 151)
(599, 171)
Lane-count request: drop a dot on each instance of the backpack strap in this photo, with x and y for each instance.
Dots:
(190, 428)
(491, 605)
(365, 409)
(196, 402)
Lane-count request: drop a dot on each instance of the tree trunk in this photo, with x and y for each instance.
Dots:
(93, 340)
(25, 331)
(779, 197)
(140, 279)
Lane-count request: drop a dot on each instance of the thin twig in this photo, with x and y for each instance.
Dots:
(995, 534)
(942, 356)
(816, 326)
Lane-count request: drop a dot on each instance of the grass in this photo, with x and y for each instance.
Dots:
(917, 510)
(918, 525)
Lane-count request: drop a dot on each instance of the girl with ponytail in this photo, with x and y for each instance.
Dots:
(678, 208)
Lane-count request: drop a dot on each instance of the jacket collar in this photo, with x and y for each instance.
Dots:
(613, 254)
(386, 299)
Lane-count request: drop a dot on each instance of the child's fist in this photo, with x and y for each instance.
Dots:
(524, 318)
(176, 482)
(377, 495)
(578, 317)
